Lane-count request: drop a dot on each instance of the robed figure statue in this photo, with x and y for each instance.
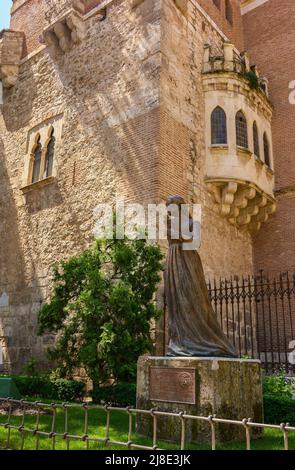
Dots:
(193, 327)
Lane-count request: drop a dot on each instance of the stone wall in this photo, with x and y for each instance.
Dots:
(110, 116)
(29, 16)
(130, 104)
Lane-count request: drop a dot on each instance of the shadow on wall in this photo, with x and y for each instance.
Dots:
(16, 317)
(110, 95)
(18, 102)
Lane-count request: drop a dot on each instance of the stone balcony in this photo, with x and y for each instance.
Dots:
(242, 183)
(232, 61)
(246, 203)
(11, 49)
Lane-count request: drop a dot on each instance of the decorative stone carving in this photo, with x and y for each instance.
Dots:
(228, 196)
(65, 32)
(11, 49)
(231, 61)
(243, 204)
(241, 183)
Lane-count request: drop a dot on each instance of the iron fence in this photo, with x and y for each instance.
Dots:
(258, 314)
(63, 433)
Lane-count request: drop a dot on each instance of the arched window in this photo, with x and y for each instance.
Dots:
(37, 156)
(266, 149)
(228, 11)
(241, 130)
(218, 127)
(49, 155)
(217, 3)
(256, 140)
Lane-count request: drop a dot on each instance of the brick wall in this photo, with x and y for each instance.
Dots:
(29, 17)
(269, 36)
(274, 245)
(272, 47)
(225, 250)
(233, 31)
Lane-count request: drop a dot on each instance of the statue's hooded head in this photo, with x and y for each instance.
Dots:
(176, 199)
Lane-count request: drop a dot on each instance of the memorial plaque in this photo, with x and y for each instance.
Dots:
(172, 385)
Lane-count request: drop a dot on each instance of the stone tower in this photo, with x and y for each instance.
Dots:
(107, 97)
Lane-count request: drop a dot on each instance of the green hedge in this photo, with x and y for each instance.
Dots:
(279, 410)
(118, 395)
(45, 387)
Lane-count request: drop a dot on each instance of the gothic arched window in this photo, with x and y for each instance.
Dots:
(49, 155)
(218, 127)
(37, 157)
(228, 11)
(256, 140)
(266, 150)
(241, 130)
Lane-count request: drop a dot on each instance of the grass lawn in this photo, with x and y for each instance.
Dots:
(272, 440)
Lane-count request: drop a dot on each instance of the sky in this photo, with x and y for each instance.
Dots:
(5, 6)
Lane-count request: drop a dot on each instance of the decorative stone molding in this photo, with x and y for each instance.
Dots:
(232, 83)
(38, 184)
(41, 131)
(231, 61)
(242, 203)
(288, 192)
(11, 49)
(65, 32)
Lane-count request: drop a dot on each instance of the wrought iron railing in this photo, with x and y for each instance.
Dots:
(52, 435)
(258, 314)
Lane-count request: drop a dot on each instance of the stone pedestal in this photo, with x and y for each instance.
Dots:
(227, 388)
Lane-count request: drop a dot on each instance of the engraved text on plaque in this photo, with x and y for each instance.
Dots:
(173, 385)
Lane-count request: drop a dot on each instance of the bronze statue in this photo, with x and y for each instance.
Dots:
(193, 327)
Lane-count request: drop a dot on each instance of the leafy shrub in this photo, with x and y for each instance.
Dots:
(279, 410)
(68, 390)
(279, 407)
(42, 385)
(278, 386)
(253, 80)
(123, 394)
(34, 386)
(102, 307)
(31, 367)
